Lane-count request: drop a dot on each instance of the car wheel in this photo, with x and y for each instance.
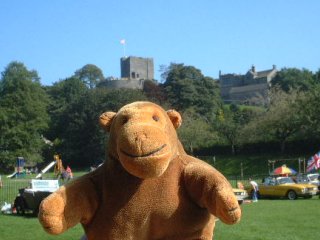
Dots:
(19, 204)
(35, 212)
(292, 195)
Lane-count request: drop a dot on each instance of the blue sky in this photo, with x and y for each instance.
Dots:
(58, 37)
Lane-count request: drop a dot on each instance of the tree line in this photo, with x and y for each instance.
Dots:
(39, 121)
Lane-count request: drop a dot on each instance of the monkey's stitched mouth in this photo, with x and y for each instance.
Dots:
(146, 154)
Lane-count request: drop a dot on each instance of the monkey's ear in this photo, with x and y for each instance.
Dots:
(175, 118)
(106, 119)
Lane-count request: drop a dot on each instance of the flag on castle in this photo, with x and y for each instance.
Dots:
(314, 162)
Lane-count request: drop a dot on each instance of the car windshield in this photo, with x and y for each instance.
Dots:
(284, 180)
(302, 179)
(313, 177)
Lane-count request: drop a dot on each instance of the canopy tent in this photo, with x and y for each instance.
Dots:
(284, 170)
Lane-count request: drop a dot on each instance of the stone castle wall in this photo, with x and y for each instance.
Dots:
(137, 68)
(250, 88)
(124, 83)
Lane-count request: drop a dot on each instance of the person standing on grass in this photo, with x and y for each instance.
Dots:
(255, 190)
(319, 185)
(68, 170)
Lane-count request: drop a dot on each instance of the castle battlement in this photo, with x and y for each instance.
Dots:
(251, 88)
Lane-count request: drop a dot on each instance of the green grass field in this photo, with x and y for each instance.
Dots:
(264, 220)
(275, 219)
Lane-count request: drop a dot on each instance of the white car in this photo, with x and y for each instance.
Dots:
(241, 194)
(311, 178)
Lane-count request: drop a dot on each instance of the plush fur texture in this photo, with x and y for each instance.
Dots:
(148, 188)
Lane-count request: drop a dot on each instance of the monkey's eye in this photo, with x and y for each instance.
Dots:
(155, 118)
(124, 120)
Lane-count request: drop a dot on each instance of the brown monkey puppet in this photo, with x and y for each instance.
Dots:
(149, 188)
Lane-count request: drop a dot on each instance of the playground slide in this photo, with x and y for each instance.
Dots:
(46, 169)
(12, 175)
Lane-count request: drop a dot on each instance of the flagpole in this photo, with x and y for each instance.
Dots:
(123, 43)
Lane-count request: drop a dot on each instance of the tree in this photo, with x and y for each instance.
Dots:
(154, 92)
(63, 94)
(293, 78)
(281, 122)
(307, 107)
(82, 141)
(179, 86)
(117, 98)
(76, 110)
(316, 77)
(186, 88)
(195, 132)
(208, 101)
(90, 74)
(23, 115)
(231, 121)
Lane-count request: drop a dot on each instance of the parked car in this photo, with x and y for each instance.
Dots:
(311, 178)
(29, 199)
(241, 194)
(284, 187)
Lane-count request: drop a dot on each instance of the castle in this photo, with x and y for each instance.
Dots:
(137, 68)
(251, 88)
(134, 72)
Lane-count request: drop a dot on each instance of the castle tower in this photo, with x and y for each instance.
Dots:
(137, 68)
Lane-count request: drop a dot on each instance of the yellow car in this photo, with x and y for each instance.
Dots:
(241, 194)
(284, 187)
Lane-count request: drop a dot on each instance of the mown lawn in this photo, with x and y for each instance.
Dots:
(265, 220)
(14, 227)
(275, 219)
